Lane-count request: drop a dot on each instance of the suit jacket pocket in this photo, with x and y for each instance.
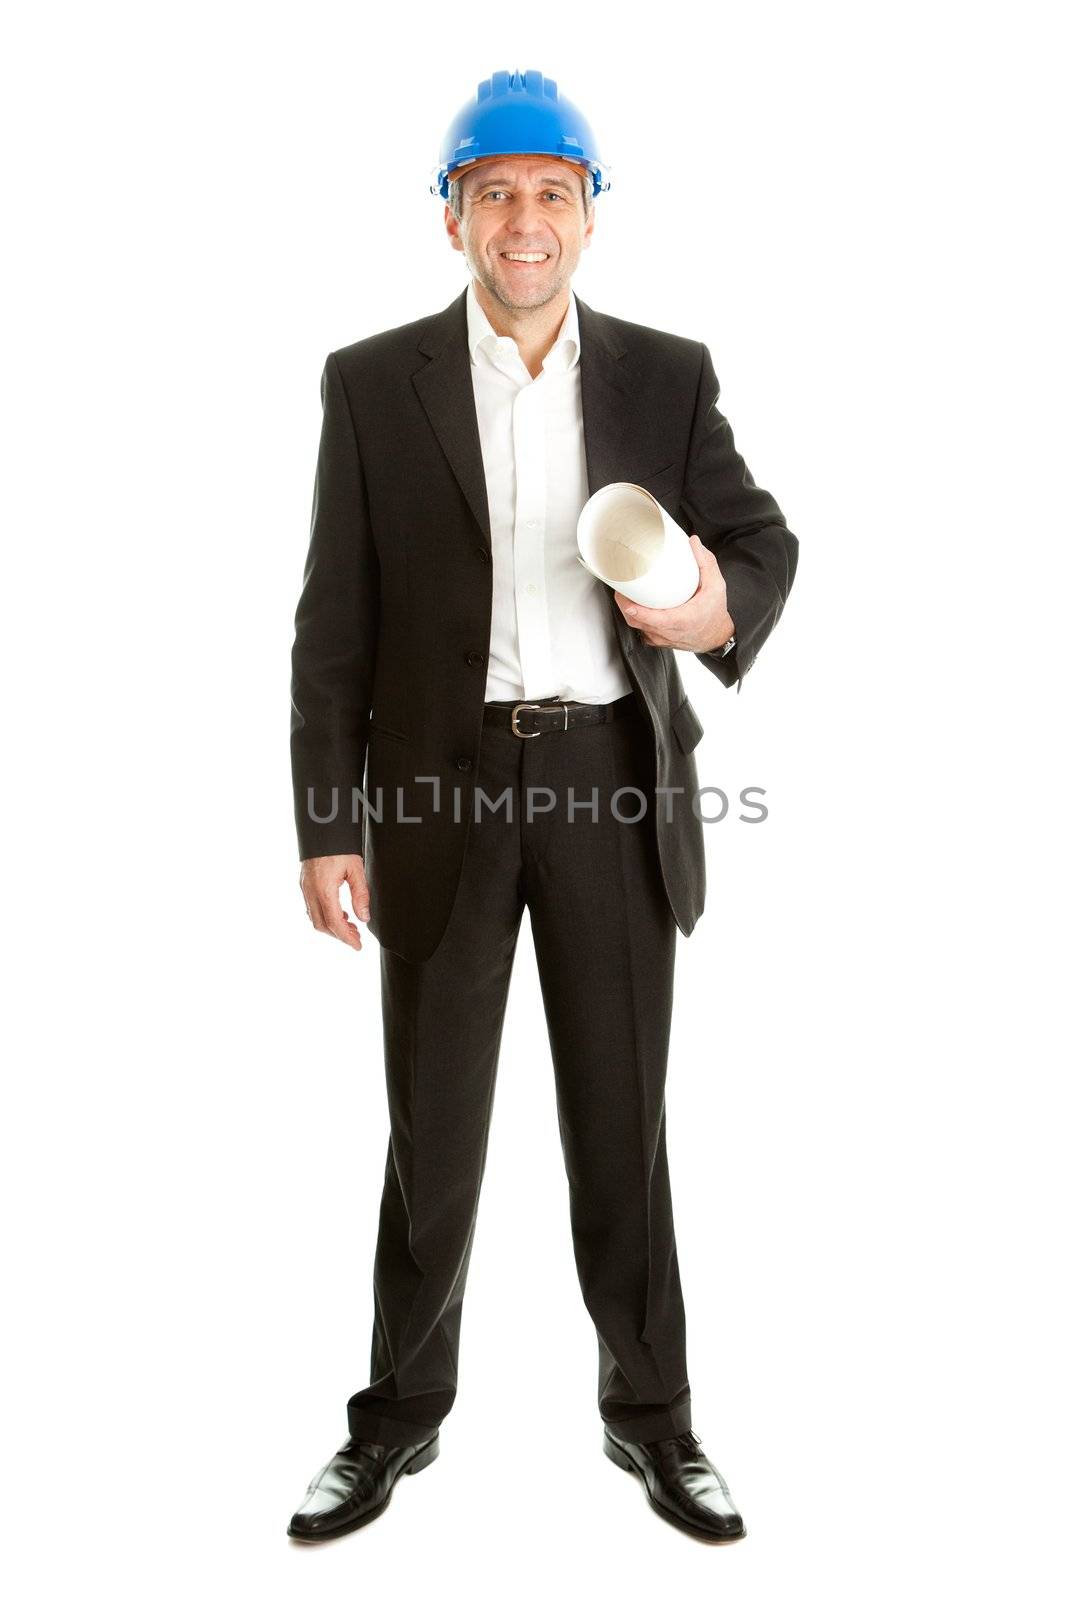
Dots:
(390, 733)
(647, 478)
(687, 726)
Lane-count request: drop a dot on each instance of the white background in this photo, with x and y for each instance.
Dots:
(856, 209)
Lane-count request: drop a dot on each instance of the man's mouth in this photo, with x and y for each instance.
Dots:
(533, 257)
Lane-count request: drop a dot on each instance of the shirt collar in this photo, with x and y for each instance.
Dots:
(562, 356)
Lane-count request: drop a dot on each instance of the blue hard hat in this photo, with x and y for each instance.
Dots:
(519, 114)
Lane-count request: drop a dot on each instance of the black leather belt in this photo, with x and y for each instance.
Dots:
(529, 718)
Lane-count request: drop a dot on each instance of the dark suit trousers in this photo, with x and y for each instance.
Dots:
(604, 939)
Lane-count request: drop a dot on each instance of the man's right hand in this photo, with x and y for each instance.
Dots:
(321, 878)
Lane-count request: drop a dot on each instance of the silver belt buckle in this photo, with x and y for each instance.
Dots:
(525, 705)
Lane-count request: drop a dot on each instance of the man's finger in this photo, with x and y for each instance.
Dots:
(705, 557)
(360, 892)
(635, 615)
(710, 572)
(647, 616)
(667, 622)
(341, 926)
(327, 917)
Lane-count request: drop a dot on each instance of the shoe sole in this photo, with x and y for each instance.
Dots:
(430, 1451)
(621, 1459)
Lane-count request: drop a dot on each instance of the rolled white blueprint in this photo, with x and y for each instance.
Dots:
(626, 539)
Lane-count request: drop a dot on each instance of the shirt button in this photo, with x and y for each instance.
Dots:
(531, 588)
(531, 522)
(464, 763)
(474, 659)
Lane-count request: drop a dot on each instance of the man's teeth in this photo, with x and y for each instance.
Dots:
(525, 255)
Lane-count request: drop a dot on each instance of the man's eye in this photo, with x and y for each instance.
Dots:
(491, 193)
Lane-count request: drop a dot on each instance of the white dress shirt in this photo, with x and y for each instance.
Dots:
(551, 630)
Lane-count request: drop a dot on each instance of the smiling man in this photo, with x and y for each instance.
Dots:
(481, 728)
(522, 223)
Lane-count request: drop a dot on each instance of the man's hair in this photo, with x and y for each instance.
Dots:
(455, 193)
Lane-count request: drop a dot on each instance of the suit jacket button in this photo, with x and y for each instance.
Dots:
(483, 554)
(474, 659)
(464, 763)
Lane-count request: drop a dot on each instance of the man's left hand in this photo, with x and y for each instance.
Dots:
(702, 623)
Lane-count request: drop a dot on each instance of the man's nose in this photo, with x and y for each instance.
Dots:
(525, 216)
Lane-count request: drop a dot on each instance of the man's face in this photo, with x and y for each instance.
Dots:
(531, 205)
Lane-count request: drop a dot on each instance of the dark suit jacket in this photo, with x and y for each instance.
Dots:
(392, 627)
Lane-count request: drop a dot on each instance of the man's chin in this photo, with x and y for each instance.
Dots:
(524, 298)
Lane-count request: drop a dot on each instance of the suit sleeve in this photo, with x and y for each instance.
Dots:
(743, 527)
(336, 639)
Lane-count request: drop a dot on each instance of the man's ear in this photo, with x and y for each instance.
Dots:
(452, 227)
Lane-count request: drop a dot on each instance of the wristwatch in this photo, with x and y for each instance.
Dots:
(723, 650)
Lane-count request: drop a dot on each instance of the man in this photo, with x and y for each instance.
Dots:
(448, 637)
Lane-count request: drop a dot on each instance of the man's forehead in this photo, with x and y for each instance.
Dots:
(540, 168)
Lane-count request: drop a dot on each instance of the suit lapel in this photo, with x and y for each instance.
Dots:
(446, 389)
(609, 409)
(608, 406)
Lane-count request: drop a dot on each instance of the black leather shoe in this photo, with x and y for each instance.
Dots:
(681, 1484)
(355, 1487)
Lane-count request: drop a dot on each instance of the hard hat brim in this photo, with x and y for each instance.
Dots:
(593, 170)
